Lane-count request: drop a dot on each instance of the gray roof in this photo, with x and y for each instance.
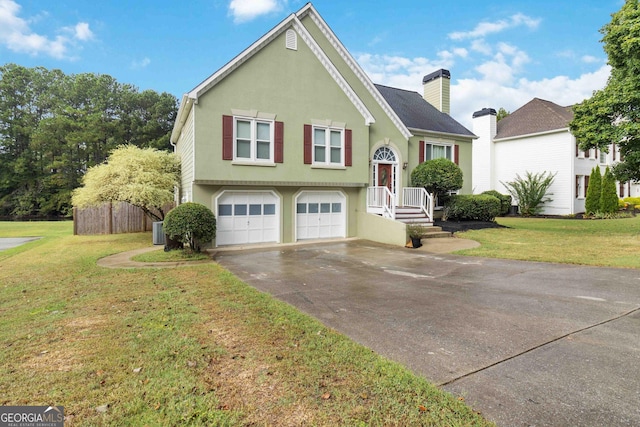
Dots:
(416, 113)
(535, 116)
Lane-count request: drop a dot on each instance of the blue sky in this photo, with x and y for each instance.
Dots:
(500, 53)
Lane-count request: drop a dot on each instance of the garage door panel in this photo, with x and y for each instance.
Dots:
(320, 215)
(248, 217)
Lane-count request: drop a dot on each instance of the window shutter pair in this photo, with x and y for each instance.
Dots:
(227, 140)
(421, 153)
(308, 146)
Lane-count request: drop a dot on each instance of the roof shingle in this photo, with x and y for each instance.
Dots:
(416, 113)
(535, 116)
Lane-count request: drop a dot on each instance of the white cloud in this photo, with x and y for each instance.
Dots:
(485, 28)
(589, 59)
(16, 34)
(495, 84)
(136, 65)
(82, 31)
(246, 10)
(400, 72)
(472, 94)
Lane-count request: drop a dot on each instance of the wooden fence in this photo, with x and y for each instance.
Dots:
(112, 218)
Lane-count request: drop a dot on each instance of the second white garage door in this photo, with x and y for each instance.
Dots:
(247, 217)
(320, 215)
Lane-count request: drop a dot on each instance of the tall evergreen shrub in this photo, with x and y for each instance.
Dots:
(592, 201)
(608, 195)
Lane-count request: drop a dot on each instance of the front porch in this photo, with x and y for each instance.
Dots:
(415, 204)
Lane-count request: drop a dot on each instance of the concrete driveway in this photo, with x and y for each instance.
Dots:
(12, 242)
(526, 344)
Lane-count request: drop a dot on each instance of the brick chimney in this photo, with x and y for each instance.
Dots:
(437, 90)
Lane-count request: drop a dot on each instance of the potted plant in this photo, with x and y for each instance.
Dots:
(415, 232)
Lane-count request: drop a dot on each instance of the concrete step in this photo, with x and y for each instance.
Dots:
(435, 232)
(437, 235)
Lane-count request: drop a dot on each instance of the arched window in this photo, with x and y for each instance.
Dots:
(384, 154)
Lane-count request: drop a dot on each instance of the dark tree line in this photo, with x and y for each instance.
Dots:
(54, 126)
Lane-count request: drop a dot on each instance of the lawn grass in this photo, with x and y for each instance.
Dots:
(611, 242)
(184, 346)
(170, 256)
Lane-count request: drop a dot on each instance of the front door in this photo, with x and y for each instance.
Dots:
(385, 176)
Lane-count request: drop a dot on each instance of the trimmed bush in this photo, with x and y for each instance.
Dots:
(438, 176)
(191, 223)
(505, 200)
(609, 195)
(592, 200)
(475, 207)
(633, 201)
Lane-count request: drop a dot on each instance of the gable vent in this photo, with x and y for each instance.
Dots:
(292, 40)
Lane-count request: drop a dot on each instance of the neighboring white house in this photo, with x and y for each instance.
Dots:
(536, 138)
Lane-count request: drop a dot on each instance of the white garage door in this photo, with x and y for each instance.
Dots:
(320, 214)
(247, 217)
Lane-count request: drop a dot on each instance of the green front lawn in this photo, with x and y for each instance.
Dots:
(610, 242)
(184, 346)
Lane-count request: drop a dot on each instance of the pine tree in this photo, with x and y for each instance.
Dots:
(592, 201)
(608, 195)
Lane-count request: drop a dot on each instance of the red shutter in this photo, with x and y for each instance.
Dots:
(587, 153)
(577, 150)
(597, 149)
(347, 147)
(421, 152)
(227, 137)
(586, 184)
(613, 151)
(308, 144)
(456, 154)
(278, 143)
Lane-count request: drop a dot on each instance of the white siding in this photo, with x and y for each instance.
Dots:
(551, 152)
(184, 149)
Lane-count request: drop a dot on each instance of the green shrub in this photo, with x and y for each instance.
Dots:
(438, 176)
(609, 195)
(505, 200)
(633, 201)
(191, 223)
(531, 192)
(592, 200)
(474, 207)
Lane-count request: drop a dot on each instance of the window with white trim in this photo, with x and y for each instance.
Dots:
(328, 146)
(438, 151)
(253, 139)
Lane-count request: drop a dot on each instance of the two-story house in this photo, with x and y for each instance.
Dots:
(291, 140)
(536, 138)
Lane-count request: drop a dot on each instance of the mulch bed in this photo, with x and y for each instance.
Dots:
(455, 226)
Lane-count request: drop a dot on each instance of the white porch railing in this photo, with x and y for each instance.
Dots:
(381, 201)
(418, 197)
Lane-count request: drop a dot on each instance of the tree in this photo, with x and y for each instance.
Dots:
(438, 176)
(612, 115)
(592, 200)
(191, 223)
(143, 177)
(54, 127)
(531, 192)
(608, 195)
(502, 113)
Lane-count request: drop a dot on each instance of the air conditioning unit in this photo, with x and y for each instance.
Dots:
(158, 233)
